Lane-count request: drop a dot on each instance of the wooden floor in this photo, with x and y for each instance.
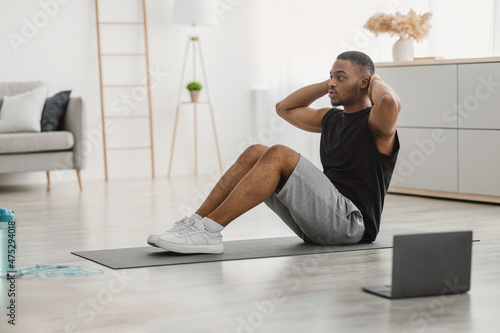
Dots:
(320, 293)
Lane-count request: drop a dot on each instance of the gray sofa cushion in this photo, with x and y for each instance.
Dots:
(13, 143)
(59, 160)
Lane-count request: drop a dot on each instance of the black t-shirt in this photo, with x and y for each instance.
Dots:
(353, 163)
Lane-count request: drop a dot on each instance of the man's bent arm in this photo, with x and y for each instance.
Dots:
(295, 107)
(384, 114)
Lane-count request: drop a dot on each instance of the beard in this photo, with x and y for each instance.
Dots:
(351, 99)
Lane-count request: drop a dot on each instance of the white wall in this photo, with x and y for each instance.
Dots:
(64, 53)
(261, 51)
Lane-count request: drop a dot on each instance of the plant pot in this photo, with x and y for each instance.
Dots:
(194, 95)
(403, 50)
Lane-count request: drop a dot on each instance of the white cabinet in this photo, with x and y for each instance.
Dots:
(427, 159)
(479, 161)
(428, 94)
(449, 127)
(479, 96)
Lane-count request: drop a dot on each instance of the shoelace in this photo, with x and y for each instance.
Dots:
(186, 221)
(179, 224)
(190, 229)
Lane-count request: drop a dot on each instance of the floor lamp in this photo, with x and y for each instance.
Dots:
(194, 13)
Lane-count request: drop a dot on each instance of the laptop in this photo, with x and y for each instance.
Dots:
(429, 264)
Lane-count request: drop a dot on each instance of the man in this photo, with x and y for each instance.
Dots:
(341, 205)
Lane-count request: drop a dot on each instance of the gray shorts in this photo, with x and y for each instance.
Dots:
(315, 210)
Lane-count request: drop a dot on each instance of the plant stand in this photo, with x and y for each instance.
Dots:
(194, 41)
(195, 110)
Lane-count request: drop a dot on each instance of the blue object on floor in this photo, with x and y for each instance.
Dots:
(55, 270)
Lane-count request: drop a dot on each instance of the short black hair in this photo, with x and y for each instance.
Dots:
(362, 60)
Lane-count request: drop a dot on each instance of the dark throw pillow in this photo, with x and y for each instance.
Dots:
(54, 110)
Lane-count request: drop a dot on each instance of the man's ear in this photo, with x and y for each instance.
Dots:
(365, 82)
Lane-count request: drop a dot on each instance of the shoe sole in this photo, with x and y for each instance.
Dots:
(210, 249)
(152, 241)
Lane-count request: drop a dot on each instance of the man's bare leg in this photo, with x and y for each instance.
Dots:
(231, 178)
(272, 170)
(250, 181)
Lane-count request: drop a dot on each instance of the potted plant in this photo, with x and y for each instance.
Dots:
(411, 26)
(194, 90)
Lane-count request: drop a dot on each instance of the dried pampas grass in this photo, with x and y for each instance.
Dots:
(411, 25)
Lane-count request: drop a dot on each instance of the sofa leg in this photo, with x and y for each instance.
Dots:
(79, 174)
(48, 179)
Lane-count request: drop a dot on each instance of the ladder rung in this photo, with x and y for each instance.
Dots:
(128, 148)
(123, 85)
(203, 102)
(127, 117)
(122, 54)
(126, 23)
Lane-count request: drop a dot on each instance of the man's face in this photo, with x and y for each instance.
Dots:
(345, 83)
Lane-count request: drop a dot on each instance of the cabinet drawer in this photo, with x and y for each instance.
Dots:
(427, 159)
(428, 94)
(479, 162)
(479, 96)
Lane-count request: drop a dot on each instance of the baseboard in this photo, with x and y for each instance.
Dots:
(443, 194)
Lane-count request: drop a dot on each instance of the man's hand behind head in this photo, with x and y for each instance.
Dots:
(375, 77)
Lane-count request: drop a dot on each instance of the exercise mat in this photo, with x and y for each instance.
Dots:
(149, 256)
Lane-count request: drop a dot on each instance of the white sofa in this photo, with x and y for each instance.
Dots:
(44, 151)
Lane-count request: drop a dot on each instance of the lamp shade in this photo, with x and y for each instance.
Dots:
(195, 12)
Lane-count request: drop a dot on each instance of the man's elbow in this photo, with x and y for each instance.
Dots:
(391, 102)
(279, 109)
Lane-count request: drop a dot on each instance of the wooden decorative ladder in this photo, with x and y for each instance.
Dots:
(103, 86)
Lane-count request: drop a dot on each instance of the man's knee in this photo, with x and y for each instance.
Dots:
(284, 159)
(281, 151)
(284, 156)
(254, 152)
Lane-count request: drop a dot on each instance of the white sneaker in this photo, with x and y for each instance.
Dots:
(177, 226)
(193, 238)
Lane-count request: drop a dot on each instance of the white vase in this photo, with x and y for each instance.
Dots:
(403, 50)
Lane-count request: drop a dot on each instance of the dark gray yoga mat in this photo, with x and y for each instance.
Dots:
(233, 250)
